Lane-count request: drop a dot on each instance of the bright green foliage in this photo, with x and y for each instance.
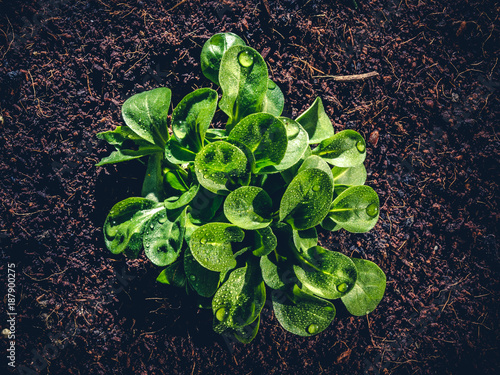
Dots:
(230, 213)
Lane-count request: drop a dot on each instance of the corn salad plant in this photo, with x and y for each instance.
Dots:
(232, 214)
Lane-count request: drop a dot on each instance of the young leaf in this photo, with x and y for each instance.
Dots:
(192, 117)
(175, 153)
(297, 145)
(307, 199)
(243, 79)
(248, 207)
(345, 149)
(126, 155)
(356, 209)
(205, 205)
(212, 52)
(325, 273)
(301, 313)
(211, 245)
(305, 239)
(274, 101)
(264, 135)
(349, 176)
(173, 275)
(146, 115)
(163, 239)
(264, 242)
(202, 280)
(368, 290)
(316, 122)
(125, 223)
(184, 199)
(314, 161)
(275, 274)
(221, 167)
(247, 333)
(239, 301)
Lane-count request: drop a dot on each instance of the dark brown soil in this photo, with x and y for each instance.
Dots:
(431, 118)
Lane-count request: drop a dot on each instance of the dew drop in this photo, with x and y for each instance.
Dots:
(152, 226)
(292, 130)
(361, 146)
(221, 314)
(271, 85)
(342, 288)
(312, 329)
(372, 210)
(245, 59)
(203, 241)
(162, 219)
(328, 308)
(113, 222)
(192, 277)
(316, 188)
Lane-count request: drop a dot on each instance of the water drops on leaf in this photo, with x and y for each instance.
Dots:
(245, 58)
(360, 145)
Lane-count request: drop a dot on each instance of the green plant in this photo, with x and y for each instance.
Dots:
(230, 211)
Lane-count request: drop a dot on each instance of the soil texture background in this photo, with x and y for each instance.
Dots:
(430, 119)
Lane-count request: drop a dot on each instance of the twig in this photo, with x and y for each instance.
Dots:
(175, 6)
(351, 78)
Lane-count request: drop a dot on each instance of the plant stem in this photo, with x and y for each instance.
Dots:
(152, 187)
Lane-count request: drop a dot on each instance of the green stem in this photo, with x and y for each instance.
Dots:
(152, 187)
(340, 210)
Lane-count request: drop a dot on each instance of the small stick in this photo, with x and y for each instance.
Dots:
(351, 78)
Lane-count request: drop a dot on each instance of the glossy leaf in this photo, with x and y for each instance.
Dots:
(243, 79)
(173, 275)
(212, 52)
(350, 175)
(211, 245)
(368, 290)
(356, 209)
(163, 239)
(275, 274)
(202, 280)
(305, 239)
(316, 122)
(184, 199)
(345, 149)
(192, 117)
(264, 135)
(274, 101)
(239, 301)
(152, 186)
(318, 163)
(175, 153)
(248, 207)
(307, 199)
(146, 115)
(325, 273)
(125, 223)
(297, 145)
(301, 313)
(264, 242)
(205, 205)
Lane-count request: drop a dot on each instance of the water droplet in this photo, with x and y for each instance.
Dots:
(152, 226)
(162, 219)
(328, 308)
(192, 277)
(271, 85)
(372, 210)
(113, 222)
(342, 288)
(312, 329)
(203, 241)
(361, 146)
(292, 129)
(245, 59)
(316, 188)
(221, 314)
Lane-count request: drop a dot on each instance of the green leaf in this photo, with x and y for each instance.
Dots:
(297, 145)
(205, 205)
(243, 79)
(345, 149)
(325, 273)
(316, 122)
(163, 239)
(368, 290)
(120, 136)
(305, 239)
(215, 134)
(192, 117)
(239, 301)
(247, 333)
(173, 275)
(152, 186)
(264, 135)
(221, 167)
(202, 280)
(264, 242)
(307, 199)
(275, 274)
(175, 153)
(175, 179)
(301, 313)
(350, 175)
(184, 199)
(274, 101)
(318, 163)
(211, 245)
(146, 114)
(126, 155)
(290, 173)
(212, 52)
(356, 209)
(249, 207)
(125, 223)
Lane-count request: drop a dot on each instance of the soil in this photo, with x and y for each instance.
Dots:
(431, 121)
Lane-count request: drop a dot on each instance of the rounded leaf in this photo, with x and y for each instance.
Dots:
(316, 122)
(368, 290)
(249, 207)
(211, 245)
(345, 149)
(274, 100)
(221, 167)
(202, 280)
(350, 175)
(212, 52)
(264, 242)
(163, 239)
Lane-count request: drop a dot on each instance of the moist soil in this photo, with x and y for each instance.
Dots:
(430, 118)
